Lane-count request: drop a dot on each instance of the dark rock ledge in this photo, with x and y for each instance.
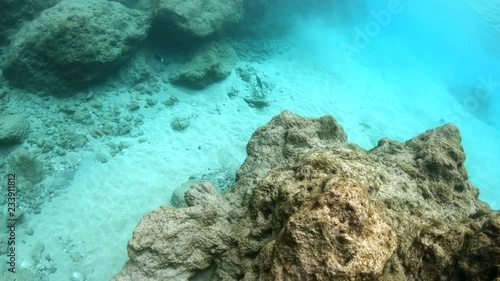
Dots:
(309, 206)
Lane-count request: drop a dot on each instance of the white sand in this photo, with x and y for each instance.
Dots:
(86, 229)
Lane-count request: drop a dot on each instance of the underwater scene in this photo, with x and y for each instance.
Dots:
(249, 140)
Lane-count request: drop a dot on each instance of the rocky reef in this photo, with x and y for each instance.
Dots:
(307, 205)
(73, 45)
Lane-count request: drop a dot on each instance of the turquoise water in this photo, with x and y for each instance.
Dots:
(450, 40)
(383, 69)
(429, 51)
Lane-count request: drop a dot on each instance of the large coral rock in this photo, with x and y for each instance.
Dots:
(74, 44)
(309, 206)
(197, 19)
(211, 63)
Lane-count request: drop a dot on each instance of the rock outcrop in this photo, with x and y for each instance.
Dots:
(196, 19)
(211, 63)
(73, 44)
(309, 206)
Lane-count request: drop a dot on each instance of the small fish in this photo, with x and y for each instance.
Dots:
(158, 57)
(259, 82)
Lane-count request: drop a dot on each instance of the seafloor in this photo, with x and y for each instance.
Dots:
(106, 116)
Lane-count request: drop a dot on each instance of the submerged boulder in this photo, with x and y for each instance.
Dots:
(307, 205)
(73, 44)
(211, 63)
(13, 129)
(197, 19)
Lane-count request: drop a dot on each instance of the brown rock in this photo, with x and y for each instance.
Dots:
(284, 138)
(309, 206)
(337, 235)
(173, 244)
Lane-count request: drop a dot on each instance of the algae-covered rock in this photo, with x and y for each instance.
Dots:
(211, 63)
(13, 129)
(197, 19)
(307, 205)
(73, 44)
(340, 232)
